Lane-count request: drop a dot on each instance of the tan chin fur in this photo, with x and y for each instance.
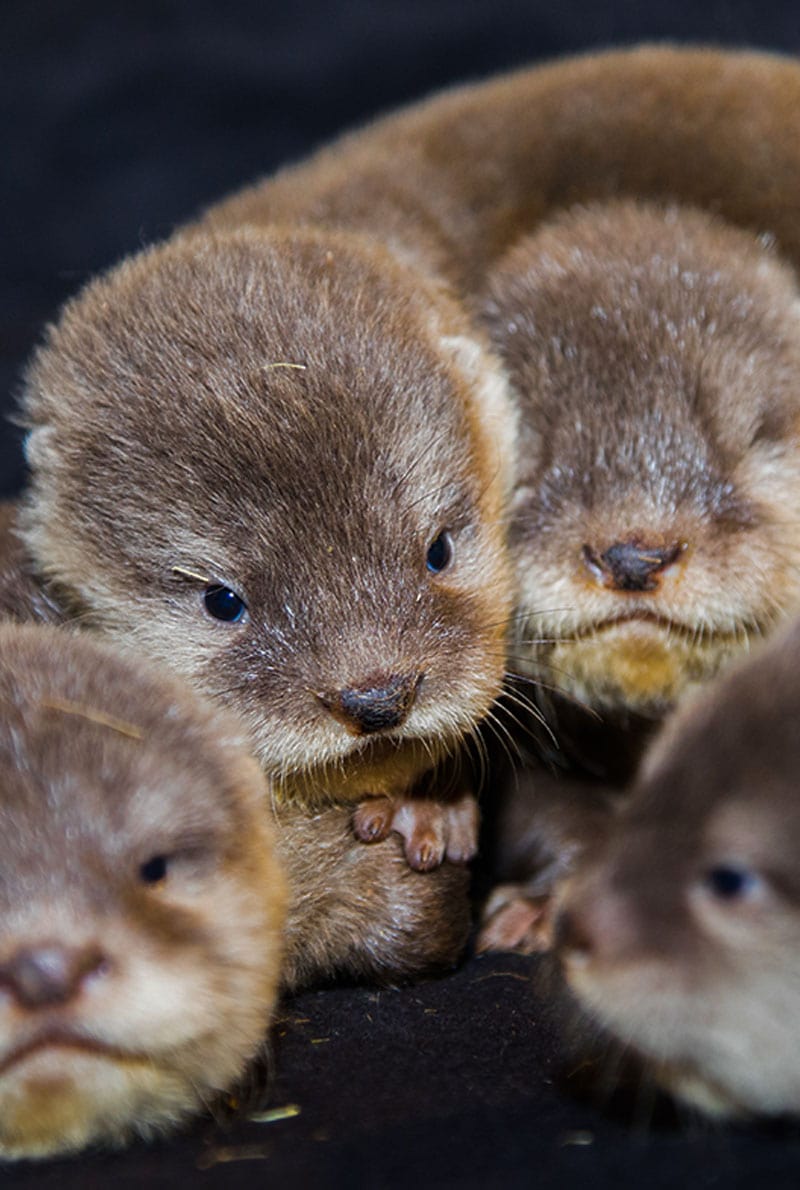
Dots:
(636, 666)
(60, 1101)
(388, 767)
(713, 1046)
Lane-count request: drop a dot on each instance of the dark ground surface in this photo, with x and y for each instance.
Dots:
(119, 121)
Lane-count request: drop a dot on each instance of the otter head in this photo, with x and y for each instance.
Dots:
(140, 903)
(682, 936)
(655, 355)
(274, 461)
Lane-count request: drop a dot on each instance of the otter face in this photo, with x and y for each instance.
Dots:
(140, 905)
(273, 459)
(682, 938)
(655, 355)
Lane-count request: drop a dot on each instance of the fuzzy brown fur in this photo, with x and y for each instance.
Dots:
(354, 911)
(359, 910)
(453, 184)
(683, 937)
(150, 447)
(128, 1001)
(297, 417)
(22, 596)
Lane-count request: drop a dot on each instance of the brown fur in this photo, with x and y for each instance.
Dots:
(655, 354)
(544, 824)
(453, 183)
(359, 910)
(22, 596)
(705, 986)
(104, 766)
(168, 433)
(449, 184)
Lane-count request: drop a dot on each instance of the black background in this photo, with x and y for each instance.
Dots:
(118, 122)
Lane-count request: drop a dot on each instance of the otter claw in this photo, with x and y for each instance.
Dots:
(372, 820)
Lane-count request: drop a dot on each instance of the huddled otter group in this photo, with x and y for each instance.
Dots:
(487, 413)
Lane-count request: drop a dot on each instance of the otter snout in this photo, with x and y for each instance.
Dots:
(598, 925)
(51, 973)
(381, 703)
(631, 565)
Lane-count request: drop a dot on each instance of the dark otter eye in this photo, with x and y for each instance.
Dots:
(730, 883)
(154, 870)
(440, 553)
(224, 604)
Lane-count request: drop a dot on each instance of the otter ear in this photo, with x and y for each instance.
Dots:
(40, 447)
(492, 404)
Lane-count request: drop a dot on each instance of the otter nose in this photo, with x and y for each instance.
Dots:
(38, 976)
(631, 565)
(378, 705)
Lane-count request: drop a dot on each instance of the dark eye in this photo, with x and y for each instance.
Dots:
(440, 553)
(154, 870)
(729, 883)
(224, 604)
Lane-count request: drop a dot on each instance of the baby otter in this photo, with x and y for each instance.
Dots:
(681, 937)
(275, 461)
(655, 356)
(142, 908)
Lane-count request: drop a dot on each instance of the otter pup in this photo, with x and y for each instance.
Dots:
(276, 461)
(142, 907)
(452, 184)
(655, 357)
(681, 936)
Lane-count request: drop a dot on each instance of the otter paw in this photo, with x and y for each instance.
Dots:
(432, 831)
(511, 920)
